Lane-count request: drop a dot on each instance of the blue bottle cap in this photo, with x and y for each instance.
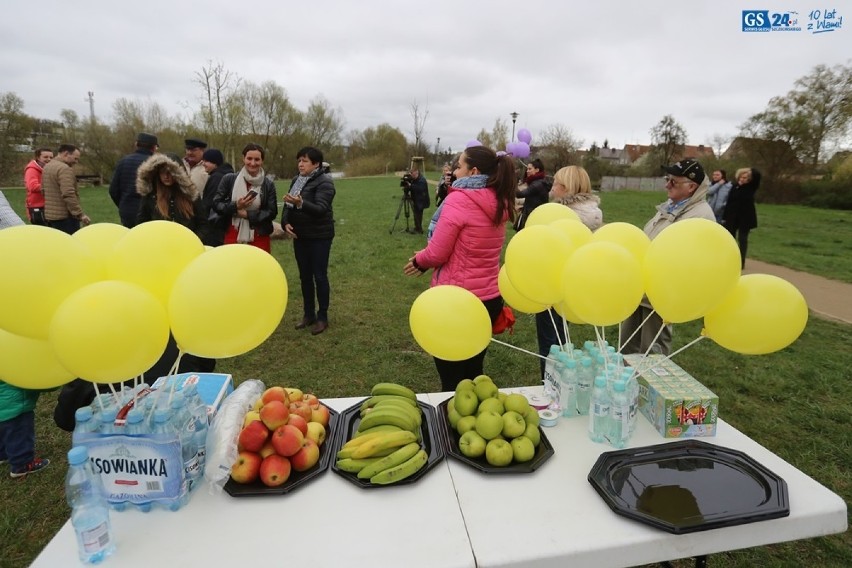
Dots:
(78, 455)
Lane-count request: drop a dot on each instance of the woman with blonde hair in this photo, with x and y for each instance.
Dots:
(740, 215)
(168, 194)
(573, 188)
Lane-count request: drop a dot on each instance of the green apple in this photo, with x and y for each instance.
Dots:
(492, 404)
(489, 424)
(472, 444)
(532, 417)
(522, 449)
(499, 453)
(518, 403)
(452, 414)
(465, 402)
(502, 396)
(533, 433)
(466, 424)
(464, 384)
(482, 378)
(485, 389)
(513, 424)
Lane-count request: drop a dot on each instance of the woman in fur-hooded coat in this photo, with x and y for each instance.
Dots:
(168, 194)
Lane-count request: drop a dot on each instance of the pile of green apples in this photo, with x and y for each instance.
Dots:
(502, 427)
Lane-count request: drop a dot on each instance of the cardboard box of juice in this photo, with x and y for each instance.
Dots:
(673, 400)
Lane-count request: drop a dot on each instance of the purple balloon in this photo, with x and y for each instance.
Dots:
(510, 148)
(524, 136)
(473, 143)
(522, 150)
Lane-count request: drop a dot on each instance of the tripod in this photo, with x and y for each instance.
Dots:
(404, 203)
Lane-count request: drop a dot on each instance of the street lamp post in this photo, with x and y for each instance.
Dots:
(514, 116)
(438, 152)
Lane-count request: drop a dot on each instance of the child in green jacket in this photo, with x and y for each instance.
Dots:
(17, 430)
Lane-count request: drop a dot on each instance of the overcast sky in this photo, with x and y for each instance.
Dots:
(606, 70)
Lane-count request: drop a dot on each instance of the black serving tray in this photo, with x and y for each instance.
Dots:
(451, 440)
(689, 486)
(429, 430)
(297, 478)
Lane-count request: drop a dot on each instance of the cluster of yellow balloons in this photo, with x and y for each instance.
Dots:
(690, 270)
(100, 304)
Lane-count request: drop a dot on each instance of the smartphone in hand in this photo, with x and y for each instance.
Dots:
(252, 194)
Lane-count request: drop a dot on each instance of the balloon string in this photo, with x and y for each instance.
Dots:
(555, 330)
(115, 396)
(567, 334)
(654, 341)
(519, 349)
(172, 372)
(98, 396)
(635, 331)
(640, 369)
(690, 344)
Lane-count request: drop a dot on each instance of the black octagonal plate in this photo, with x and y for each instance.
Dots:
(297, 478)
(689, 486)
(451, 441)
(431, 442)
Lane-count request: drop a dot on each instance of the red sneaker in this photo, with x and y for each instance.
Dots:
(37, 464)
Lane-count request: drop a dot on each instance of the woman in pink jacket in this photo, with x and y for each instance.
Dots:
(466, 237)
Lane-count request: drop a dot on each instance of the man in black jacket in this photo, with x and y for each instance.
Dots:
(419, 198)
(122, 188)
(216, 168)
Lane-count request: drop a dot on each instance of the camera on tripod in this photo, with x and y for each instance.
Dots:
(405, 182)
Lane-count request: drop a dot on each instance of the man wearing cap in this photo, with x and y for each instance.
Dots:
(214, 164)
(686, 187)
(122, 188)
(192, 161)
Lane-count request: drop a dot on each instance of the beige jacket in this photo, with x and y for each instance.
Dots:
(695, 207)
(61, 196)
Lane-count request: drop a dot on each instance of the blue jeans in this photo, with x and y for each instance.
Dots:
(547, 334)
(312, 259)
(68, 225)
(17, 440)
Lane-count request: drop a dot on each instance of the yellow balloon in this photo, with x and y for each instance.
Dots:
(40, 268)
(563, 310)
(689, 268)
(109, 331)
(549, 212)
(30, 363)
(576, 230)
(100, 239)
(762, 314)
(629, 236)
(450, 323)
(534, 260)
(602, 283)
(227, 301)
(514, 298)
(153, 254)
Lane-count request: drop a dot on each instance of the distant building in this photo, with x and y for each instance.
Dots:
(635, 151)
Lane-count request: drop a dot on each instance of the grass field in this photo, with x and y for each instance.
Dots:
(794, 402)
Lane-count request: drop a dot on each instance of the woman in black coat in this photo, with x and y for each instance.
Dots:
(740, 214)
(536, 193)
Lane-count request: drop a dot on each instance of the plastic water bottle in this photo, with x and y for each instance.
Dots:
(135, 424)
(619, 415)
(633, 392)
(107, 425)
(551, 379)
(585, 381)
(84, 423)
(568, 386)
(185, 427)
(599, 411)
(163, 426)
(89, 510)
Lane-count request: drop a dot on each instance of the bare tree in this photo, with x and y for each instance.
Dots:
(323, 125)
(719, 141)
(558, 146)
(419, 115)
(222, 109)
(669, 138)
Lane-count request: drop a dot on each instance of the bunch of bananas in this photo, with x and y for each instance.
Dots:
(386, 447)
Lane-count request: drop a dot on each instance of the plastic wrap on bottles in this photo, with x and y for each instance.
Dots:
(224, 431)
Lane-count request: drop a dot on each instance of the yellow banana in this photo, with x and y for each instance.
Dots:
(357, 441)
(400, 472)
(373, 400)
(393, 416)
(412, 411)
(399, 456)
(354, 466)
(374, 429)
(383, 442)
(393, 388)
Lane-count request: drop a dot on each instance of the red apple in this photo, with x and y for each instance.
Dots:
(287, 440)
(301, 408)
(246, 468)
(267, 449)
(306, 457)
(298, 422)
(311, 399)
(274, 414)
(294, 394)
(274, 393)
(274, 470)
(320, 414)
(253, 436)
(316, 432)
